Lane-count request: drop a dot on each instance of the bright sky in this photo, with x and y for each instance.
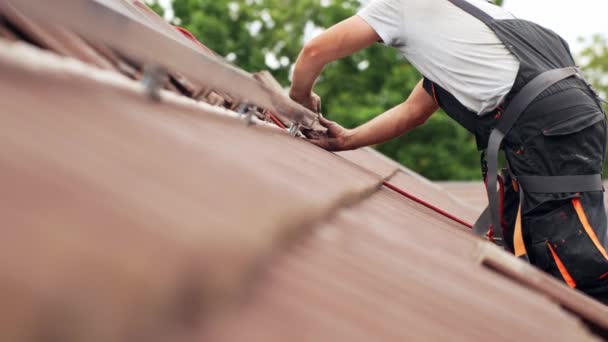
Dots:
(569, 18)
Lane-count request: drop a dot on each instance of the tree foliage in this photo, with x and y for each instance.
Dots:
(156, 7)
(594, 59)
(268, 34)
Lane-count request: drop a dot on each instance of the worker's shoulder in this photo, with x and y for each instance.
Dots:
(490, 8)
(438, 7)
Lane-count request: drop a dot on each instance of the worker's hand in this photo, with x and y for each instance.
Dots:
(336, 138)
(312, 101)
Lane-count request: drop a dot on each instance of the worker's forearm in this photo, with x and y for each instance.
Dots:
(306, 71)
(340, 40)
(387, 126)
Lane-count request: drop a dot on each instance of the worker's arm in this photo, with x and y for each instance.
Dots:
(393, 123)
(341, 40)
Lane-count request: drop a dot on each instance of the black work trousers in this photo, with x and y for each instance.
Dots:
(564, 233)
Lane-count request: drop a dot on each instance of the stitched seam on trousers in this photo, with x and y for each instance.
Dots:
(561, 267)
(588, 229)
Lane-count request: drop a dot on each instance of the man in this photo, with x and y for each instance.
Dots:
(513, 85)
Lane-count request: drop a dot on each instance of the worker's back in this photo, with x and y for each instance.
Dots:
(449, 46)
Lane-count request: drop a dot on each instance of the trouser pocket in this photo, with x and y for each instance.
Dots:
(564, 244)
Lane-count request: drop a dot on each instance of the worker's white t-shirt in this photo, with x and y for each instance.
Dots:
(449, 46)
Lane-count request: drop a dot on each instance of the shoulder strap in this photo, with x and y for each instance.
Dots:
(473, 10)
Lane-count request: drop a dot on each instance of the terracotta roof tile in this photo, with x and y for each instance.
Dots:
(432, 193)
(57, 39)
(370, 160)
(133, 219)
(159, 188)
(388, 270)
(472, 193)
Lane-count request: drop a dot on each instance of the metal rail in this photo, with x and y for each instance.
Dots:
(94, 20)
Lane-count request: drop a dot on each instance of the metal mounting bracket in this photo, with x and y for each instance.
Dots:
(154, 79)
(247, 111)
(294, 129)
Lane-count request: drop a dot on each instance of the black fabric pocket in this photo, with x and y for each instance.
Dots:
(586, 116)
(572, 147)
(570, 141)
(562, 229)
(540, 257)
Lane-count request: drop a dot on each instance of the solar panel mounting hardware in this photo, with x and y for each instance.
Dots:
(154, 79)
(249, 115)
(294, 129)
(242, 108)
(108, 22)
(248, 111)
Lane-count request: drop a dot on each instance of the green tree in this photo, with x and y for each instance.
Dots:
(594, 60)
(156, 7)
(269, 34)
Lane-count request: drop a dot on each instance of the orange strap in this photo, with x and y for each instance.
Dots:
(518, 237)
(576, 202)
(520, 247)
(562, 269)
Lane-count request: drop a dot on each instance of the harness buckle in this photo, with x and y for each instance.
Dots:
(484, 164)
(498, 241)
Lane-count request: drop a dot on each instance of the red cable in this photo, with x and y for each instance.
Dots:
(396, 189)
(426, 204)
(276, 121)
